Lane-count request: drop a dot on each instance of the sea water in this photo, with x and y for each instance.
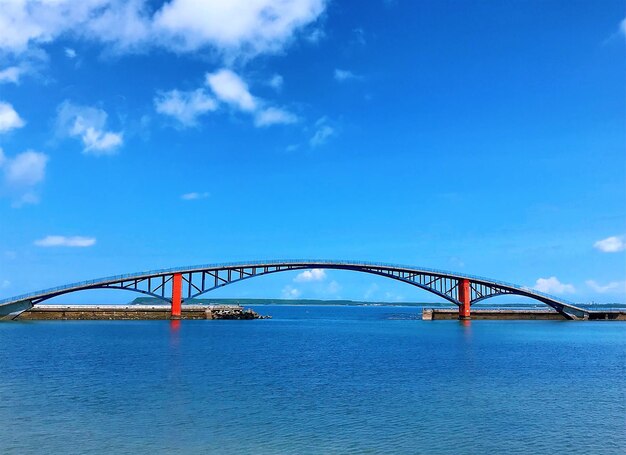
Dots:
(313, 380)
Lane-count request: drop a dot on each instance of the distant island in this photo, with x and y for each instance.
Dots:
(317, 302)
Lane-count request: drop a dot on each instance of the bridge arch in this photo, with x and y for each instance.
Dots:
(331, 267)
(177, 284)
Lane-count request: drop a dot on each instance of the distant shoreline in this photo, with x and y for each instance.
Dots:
(318, 302)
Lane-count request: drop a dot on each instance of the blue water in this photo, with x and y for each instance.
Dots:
(313, 380)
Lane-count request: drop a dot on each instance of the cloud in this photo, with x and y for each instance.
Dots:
(235, 26)
(310, 275)
(322, 133)
(89, 125)
(613, 286)
(315, 36)
(344, 75)
(10, 75)
(227, 88)
(32, 61)
(553, 286)
(22, 174)
(276, 82)
(61, 240)
(26, 169)
(194, 196)
(612, 244)
(185, 107)
(25, 199)
(289, 292)
(29, 23)
(274, 116)
(9, 119)
(5, 284)
(70, 53)
(231, 89)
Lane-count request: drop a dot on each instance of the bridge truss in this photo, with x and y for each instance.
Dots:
(178, 284)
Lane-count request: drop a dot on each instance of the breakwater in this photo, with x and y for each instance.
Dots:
(429, 314)
(135, 312)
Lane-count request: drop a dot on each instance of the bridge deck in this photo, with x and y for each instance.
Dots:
(174, 285)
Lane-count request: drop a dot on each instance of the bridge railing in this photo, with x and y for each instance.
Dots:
(276, 262)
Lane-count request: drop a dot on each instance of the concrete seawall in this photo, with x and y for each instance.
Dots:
(430, 314)
(135, 312)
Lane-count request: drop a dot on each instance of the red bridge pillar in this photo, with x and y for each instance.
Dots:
(177, 291)
(465, 295)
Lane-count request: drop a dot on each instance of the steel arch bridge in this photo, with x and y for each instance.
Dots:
(181, 283)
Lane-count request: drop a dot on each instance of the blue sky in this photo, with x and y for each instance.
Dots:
(481, 137)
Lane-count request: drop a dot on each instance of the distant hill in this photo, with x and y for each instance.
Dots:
(253, 302)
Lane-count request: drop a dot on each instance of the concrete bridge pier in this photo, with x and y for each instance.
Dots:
(177, 291)
(465, 295)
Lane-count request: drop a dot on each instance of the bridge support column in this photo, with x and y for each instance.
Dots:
(177, 291)
(465, 295)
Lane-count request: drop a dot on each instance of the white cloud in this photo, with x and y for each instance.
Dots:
(274, 116)
(5, 284)
(21, 175)
(231, 89)
(88, 124)
(553, 286)
(612, 244)
(70, 53)
(322, 133)
(315, 36)
(61, 240)
(289, 292)
(30, 62)
(9, 119)
(10, 75)
(622, 26)
(613, 286)
(276, 82)
(185, 107)
(344, 75)
(194, 196)
(235, 28)
(310, 275)
(26, 169)
(29, 23)
(228, 88)
(30, 197)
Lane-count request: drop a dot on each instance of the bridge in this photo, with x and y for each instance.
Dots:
(176, 285)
